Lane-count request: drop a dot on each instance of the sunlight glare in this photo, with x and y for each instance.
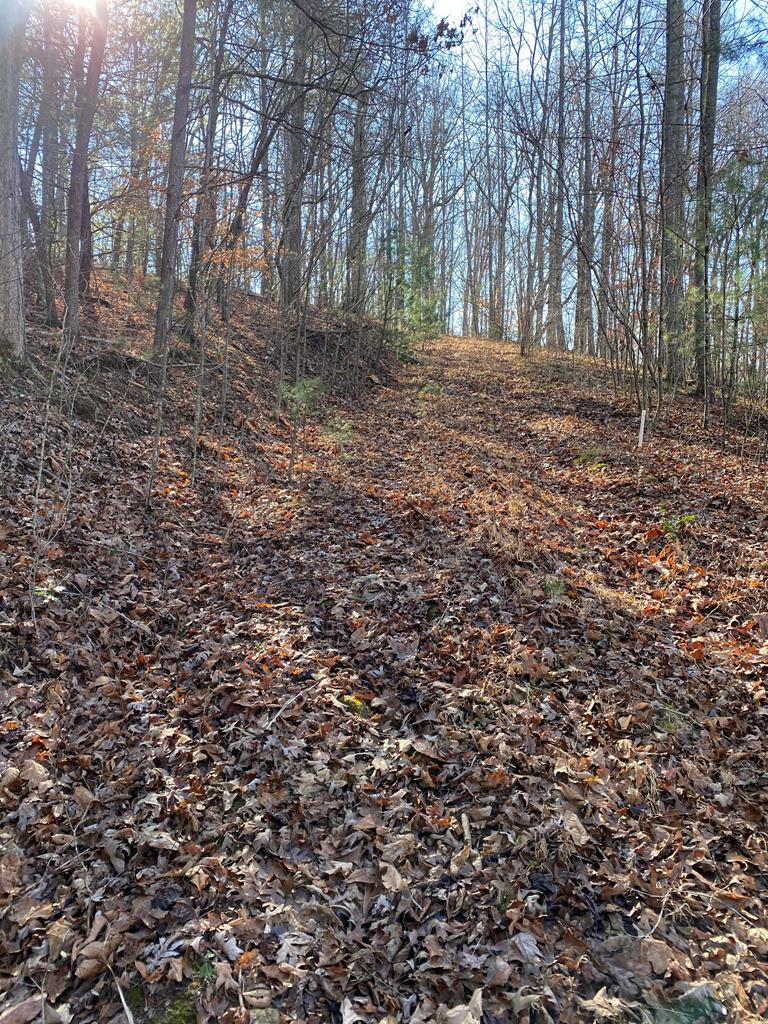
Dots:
(87, 6)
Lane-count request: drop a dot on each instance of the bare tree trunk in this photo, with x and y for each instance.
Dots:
(643, 254)
(537, 330)
(672, 196)
(40, 221)
(325, 213)
(13, 20)
(205, 209)
(118, 226)
(360, 217)
(526, 303)
(555, 327)
(175, 181)
(85, 101)
(291, 247)
(540, 328)
(86, 247)
(32, 217)
(49, 172)
(607, 241)
(493, 326)
(267, 272)
(710, 67)
(584, 324)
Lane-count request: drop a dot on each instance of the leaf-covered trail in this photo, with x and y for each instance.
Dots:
(475, 717)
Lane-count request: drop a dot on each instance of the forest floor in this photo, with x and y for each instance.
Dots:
(468, 723)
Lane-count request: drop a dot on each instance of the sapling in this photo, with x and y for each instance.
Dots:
(300, 399)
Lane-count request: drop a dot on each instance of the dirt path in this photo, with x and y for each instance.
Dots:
(475, 716)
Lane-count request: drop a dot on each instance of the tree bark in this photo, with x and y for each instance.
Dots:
(710, 68)
(360, 216)
(13, 20)
(205, 210)
(555, 327)
(584, 323)
(672, 197)
(86, 247)
(291, 247)
(48, 105)
(175, 182)
(86, 100)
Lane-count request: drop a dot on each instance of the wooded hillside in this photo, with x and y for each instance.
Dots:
(384, 549)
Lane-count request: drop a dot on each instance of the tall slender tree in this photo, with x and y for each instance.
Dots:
(86, 99)
(672, 191)
(174, 182)
(13, 20)
(708, 86)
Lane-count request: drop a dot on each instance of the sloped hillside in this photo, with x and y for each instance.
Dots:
(465, 722)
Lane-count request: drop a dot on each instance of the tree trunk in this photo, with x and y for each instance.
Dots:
(710, 67)
(555, 327)
(493, 319)
(175, 182)
(605, 275)
(13, 20)
(86, 100)
(584, 323)
(672, 197)
(291, 248)
(360, 217)
(40, 221)
(86, 247)
(48, 104)
(118, 226)
(205, 210)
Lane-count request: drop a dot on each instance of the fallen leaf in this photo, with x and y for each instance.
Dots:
(523, 946)
(33, 1009)
(391, 879)
(469, 1013)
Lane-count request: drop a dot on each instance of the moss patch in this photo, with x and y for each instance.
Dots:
(180, 1011)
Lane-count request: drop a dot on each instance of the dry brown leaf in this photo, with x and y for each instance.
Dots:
(574, 827)
(33, 1009)
(523, 946)
(658, 954)
(391, 879)
(466, 1013)
(11, 871)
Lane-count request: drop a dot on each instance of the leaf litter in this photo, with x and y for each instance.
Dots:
(458, 731)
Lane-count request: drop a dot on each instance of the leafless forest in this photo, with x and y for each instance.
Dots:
(384, 536)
